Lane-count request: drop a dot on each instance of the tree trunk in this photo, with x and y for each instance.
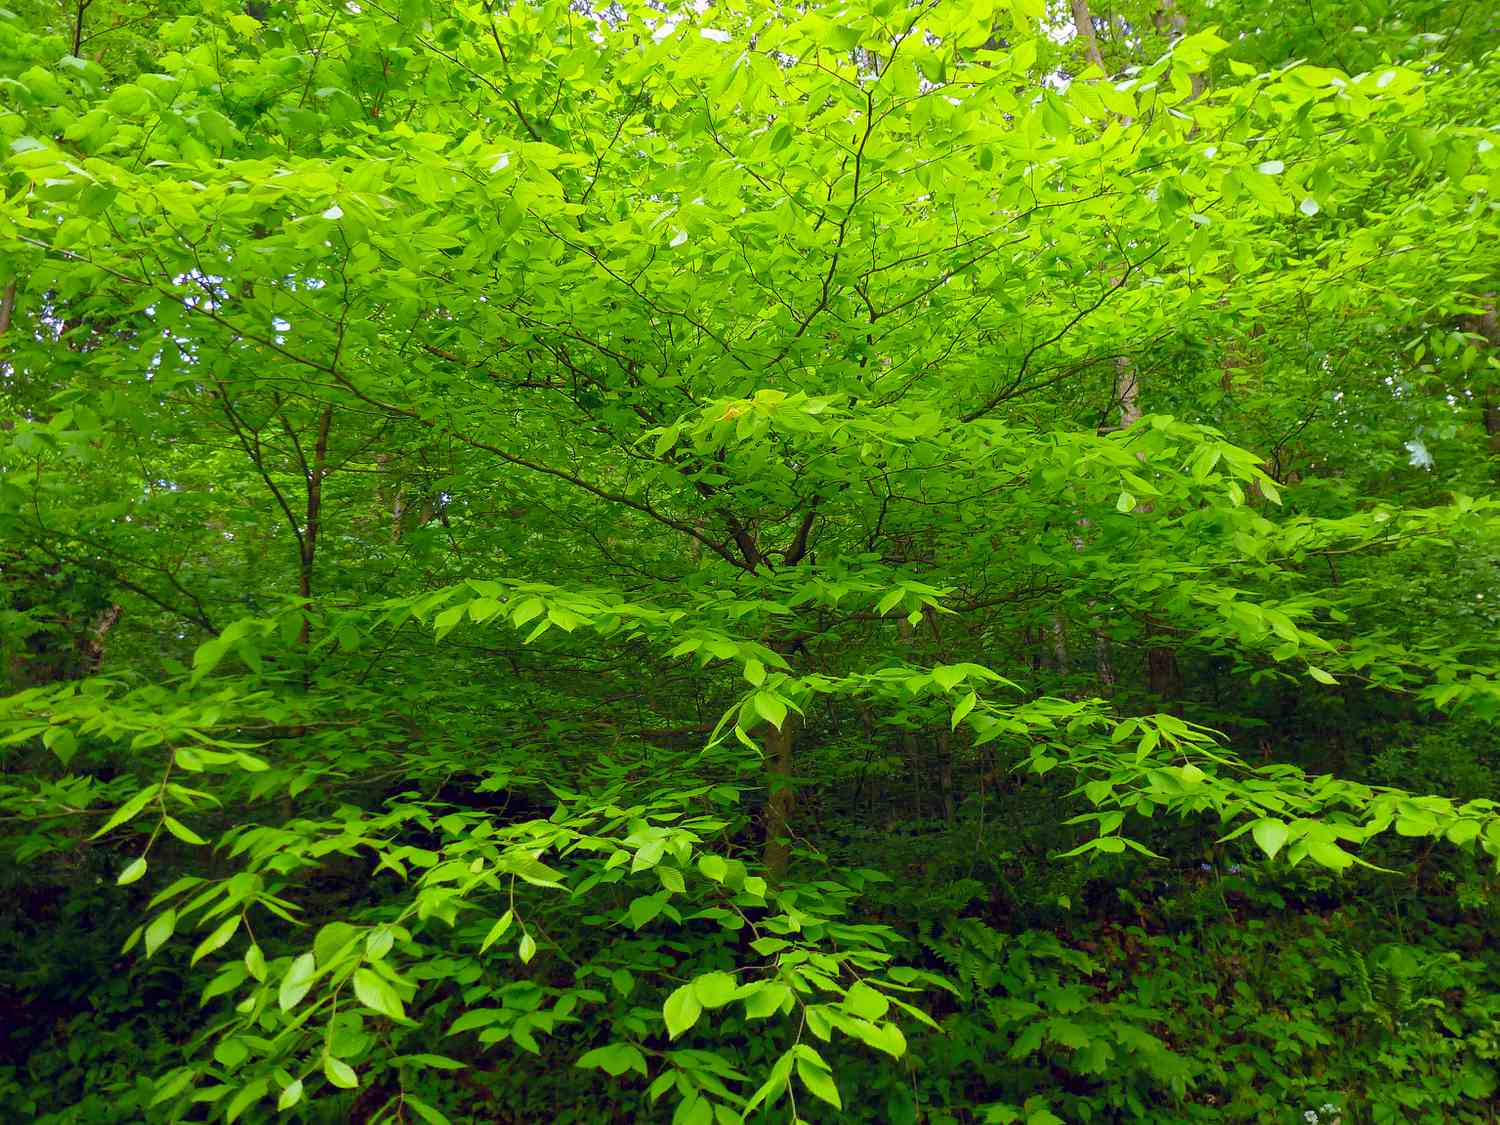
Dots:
(7, 306)
(1127, 392)
(1487, 326)
(777, 856)
(1162, 676)
(313, 521)
(1083, 24)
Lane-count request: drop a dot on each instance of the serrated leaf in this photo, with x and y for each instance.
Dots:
(127, 811)
(774, 1084)
(767, 1001)
(865, 1002)
(819, 1082)
(615, 1059)
(182, 831)
(340, 1073)
(426, 1112)
(159, 930)
(378, 943)
(297, 982)
(644, 909)
(714, 990)
(681, 1010)
(216, 940)
(375, 992)
(713, 867)
(251, 1093)
(497, 931)
(290, 1096)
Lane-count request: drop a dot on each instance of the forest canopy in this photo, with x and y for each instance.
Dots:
(884, 561)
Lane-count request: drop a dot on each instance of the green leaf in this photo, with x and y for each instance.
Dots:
(426, 1112)
(767, 1001)
(62, 742)
(231, 1053)
(131, 872)
(378, 943)
(159, 930)
(644, 909)
(681, 1010)
(297, 981)
(255, 962)
(962, 708)
(814, 1073)
(128, 811)
(445, 622)
(1328, 854)
(615, 1059)
(479, 1017)
(865, 1002)
(249, 1094)
(774, 1084)
(433, 1062)
(340, 1073)
(1270, 835)
(714, 990)
(182, 831)
(713, 867)
(770, 707)
(290, 1096)
(948, 676)
(526, 949)
(334, 943)
(497, 931)
(216, 940)
(374, 992)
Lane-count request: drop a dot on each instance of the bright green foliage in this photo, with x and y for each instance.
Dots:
(673, 562)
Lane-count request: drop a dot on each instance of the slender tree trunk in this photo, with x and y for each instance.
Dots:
(945, 774)
(1083, 23)
(1059, 644)
(909, 748)
(313, 522)
(777, 856)
(1102, 666)
(81, 7)
(1487, 326)
(1127, 392)
(1162, 675)
(92, 647)
(7, 306)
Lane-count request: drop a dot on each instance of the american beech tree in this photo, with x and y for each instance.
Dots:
(481, 482)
